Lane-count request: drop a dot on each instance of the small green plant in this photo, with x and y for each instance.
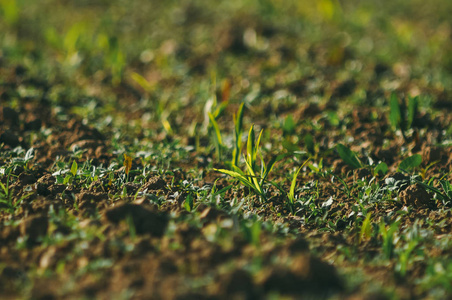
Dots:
(6, 197)
(402, 114)
(213, 111)
(127, 165)
(405, 256)
(387, 233)
(71, 175)
(366, 228)
(249, 176)
(252, 231)
(291, 194)
(216, 136)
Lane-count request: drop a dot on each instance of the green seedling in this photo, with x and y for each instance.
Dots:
(291, 194)
(249, 177)
(395, 114)
(213, 110)
(127, 165)
(388, 233)
(289, 125)
(402, 115)
(6, 197)
(366, 228)
(252, 232)
(71, 175)
(216, 135)
(404, 258)
(188, 203)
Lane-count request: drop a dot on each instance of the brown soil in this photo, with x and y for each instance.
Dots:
(154, 251)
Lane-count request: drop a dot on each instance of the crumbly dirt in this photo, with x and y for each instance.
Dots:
(156, 251)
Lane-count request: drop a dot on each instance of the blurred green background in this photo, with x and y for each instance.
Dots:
(167, 54)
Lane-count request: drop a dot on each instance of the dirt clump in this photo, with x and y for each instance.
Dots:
(144, 220)
(415, 195)
(34, 227)
(9, 138)
(238, 285)
(155, 183)
(431, 154)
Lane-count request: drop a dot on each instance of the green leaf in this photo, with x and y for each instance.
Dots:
(366, 228)
(333, 118)
(250, 145)
(74, 168)
(188, 203)
(289, 125)
(59, 179)
(381, 169)
(348, 156)
(238, 176)
(395, 116)
(411, 162)
(289, 146)
(268, 167)
(238, 122)
(239, 119)
(255, 182)
(291, 194)
(256, 148)
(67, 179)
(216, 129)
(142, 82)
(226, 188)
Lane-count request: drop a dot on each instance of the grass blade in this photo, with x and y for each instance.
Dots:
(395, 116)
(237, 176)
(216, 128)
(291, 194)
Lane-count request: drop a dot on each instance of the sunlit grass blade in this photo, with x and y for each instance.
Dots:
(250, 146)
(238, 122)
(291, 194)
(216, 128)
(254, 179)
(238, 176)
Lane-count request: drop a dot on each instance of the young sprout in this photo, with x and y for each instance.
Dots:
(127, 165)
